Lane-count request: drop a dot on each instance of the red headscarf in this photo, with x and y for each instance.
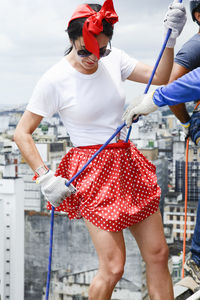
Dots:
(93, 24)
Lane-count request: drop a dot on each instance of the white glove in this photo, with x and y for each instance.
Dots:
(175, 19)
(146, 105)
(185, 127)
(54, 188)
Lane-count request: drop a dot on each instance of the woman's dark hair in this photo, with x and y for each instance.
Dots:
(75, 27)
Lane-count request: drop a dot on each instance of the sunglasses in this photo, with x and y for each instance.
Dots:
(102, 52)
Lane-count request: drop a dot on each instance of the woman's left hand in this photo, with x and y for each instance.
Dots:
(175, 19)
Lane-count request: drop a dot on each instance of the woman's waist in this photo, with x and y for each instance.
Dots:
(95, 136)
(120, 144)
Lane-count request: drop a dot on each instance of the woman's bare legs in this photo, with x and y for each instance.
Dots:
(151, 241)
(110, 249)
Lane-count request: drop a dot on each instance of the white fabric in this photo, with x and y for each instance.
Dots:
(54, 188)
(175, 19)
(141, 105)
(90, 106)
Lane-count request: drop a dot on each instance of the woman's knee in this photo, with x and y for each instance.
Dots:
(158, 255)
(113, 272)
(106, 278)
(116, 272)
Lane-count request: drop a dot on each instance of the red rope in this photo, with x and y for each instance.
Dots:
(186, 197)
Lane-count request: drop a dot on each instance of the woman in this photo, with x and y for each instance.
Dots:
(119, 188)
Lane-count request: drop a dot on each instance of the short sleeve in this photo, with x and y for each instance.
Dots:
(189, 55)
(127, 65)
(44, 100)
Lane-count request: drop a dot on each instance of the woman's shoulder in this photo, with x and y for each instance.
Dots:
(59, 69)
(116, 52)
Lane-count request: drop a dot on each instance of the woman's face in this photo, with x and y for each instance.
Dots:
(90, 62)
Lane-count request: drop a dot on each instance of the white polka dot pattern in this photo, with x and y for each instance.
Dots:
(118, 189)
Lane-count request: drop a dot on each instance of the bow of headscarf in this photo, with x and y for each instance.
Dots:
(93, 24)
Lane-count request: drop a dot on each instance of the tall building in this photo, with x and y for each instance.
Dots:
(193, 179)
(11, 238)
(174, 215)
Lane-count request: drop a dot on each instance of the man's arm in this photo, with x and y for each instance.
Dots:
(179, 110)
(184, 89)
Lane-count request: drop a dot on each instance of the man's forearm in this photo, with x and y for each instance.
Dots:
(184, 89)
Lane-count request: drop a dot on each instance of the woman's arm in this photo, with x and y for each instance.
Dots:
(54, 188)
(23, 138)
(142, 72)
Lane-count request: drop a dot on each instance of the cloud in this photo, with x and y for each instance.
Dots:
(33, 38)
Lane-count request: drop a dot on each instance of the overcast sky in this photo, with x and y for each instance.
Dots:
(33, 38)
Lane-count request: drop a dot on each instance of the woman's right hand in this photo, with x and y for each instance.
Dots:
(175, 20)
(54, 188)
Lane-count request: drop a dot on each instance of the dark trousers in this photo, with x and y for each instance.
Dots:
(195, 249)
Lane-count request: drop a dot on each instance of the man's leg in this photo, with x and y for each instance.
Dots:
(192, 265)
(151, 241)
(110, 249)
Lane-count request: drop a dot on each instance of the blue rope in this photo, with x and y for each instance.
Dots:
(91, 159)
(50, 254)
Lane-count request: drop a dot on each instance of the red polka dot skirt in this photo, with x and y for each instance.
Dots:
(118, 188)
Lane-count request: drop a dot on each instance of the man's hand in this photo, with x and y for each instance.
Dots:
(54, 188)
(194, 129)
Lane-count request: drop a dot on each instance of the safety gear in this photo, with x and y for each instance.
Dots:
(93, 24)
(194, 129)
(175, 19)
(141, 105)
(54, 188)
(193, 6)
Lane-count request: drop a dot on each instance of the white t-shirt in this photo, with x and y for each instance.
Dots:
(90, 106)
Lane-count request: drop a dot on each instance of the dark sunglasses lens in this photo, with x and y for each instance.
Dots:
(104, 52)
(83, 53)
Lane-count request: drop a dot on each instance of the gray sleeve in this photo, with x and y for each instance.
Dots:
(189, 55)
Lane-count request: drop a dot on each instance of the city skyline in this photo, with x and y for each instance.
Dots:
(33, 38)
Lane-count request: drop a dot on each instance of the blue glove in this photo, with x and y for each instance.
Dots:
(194, 129)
